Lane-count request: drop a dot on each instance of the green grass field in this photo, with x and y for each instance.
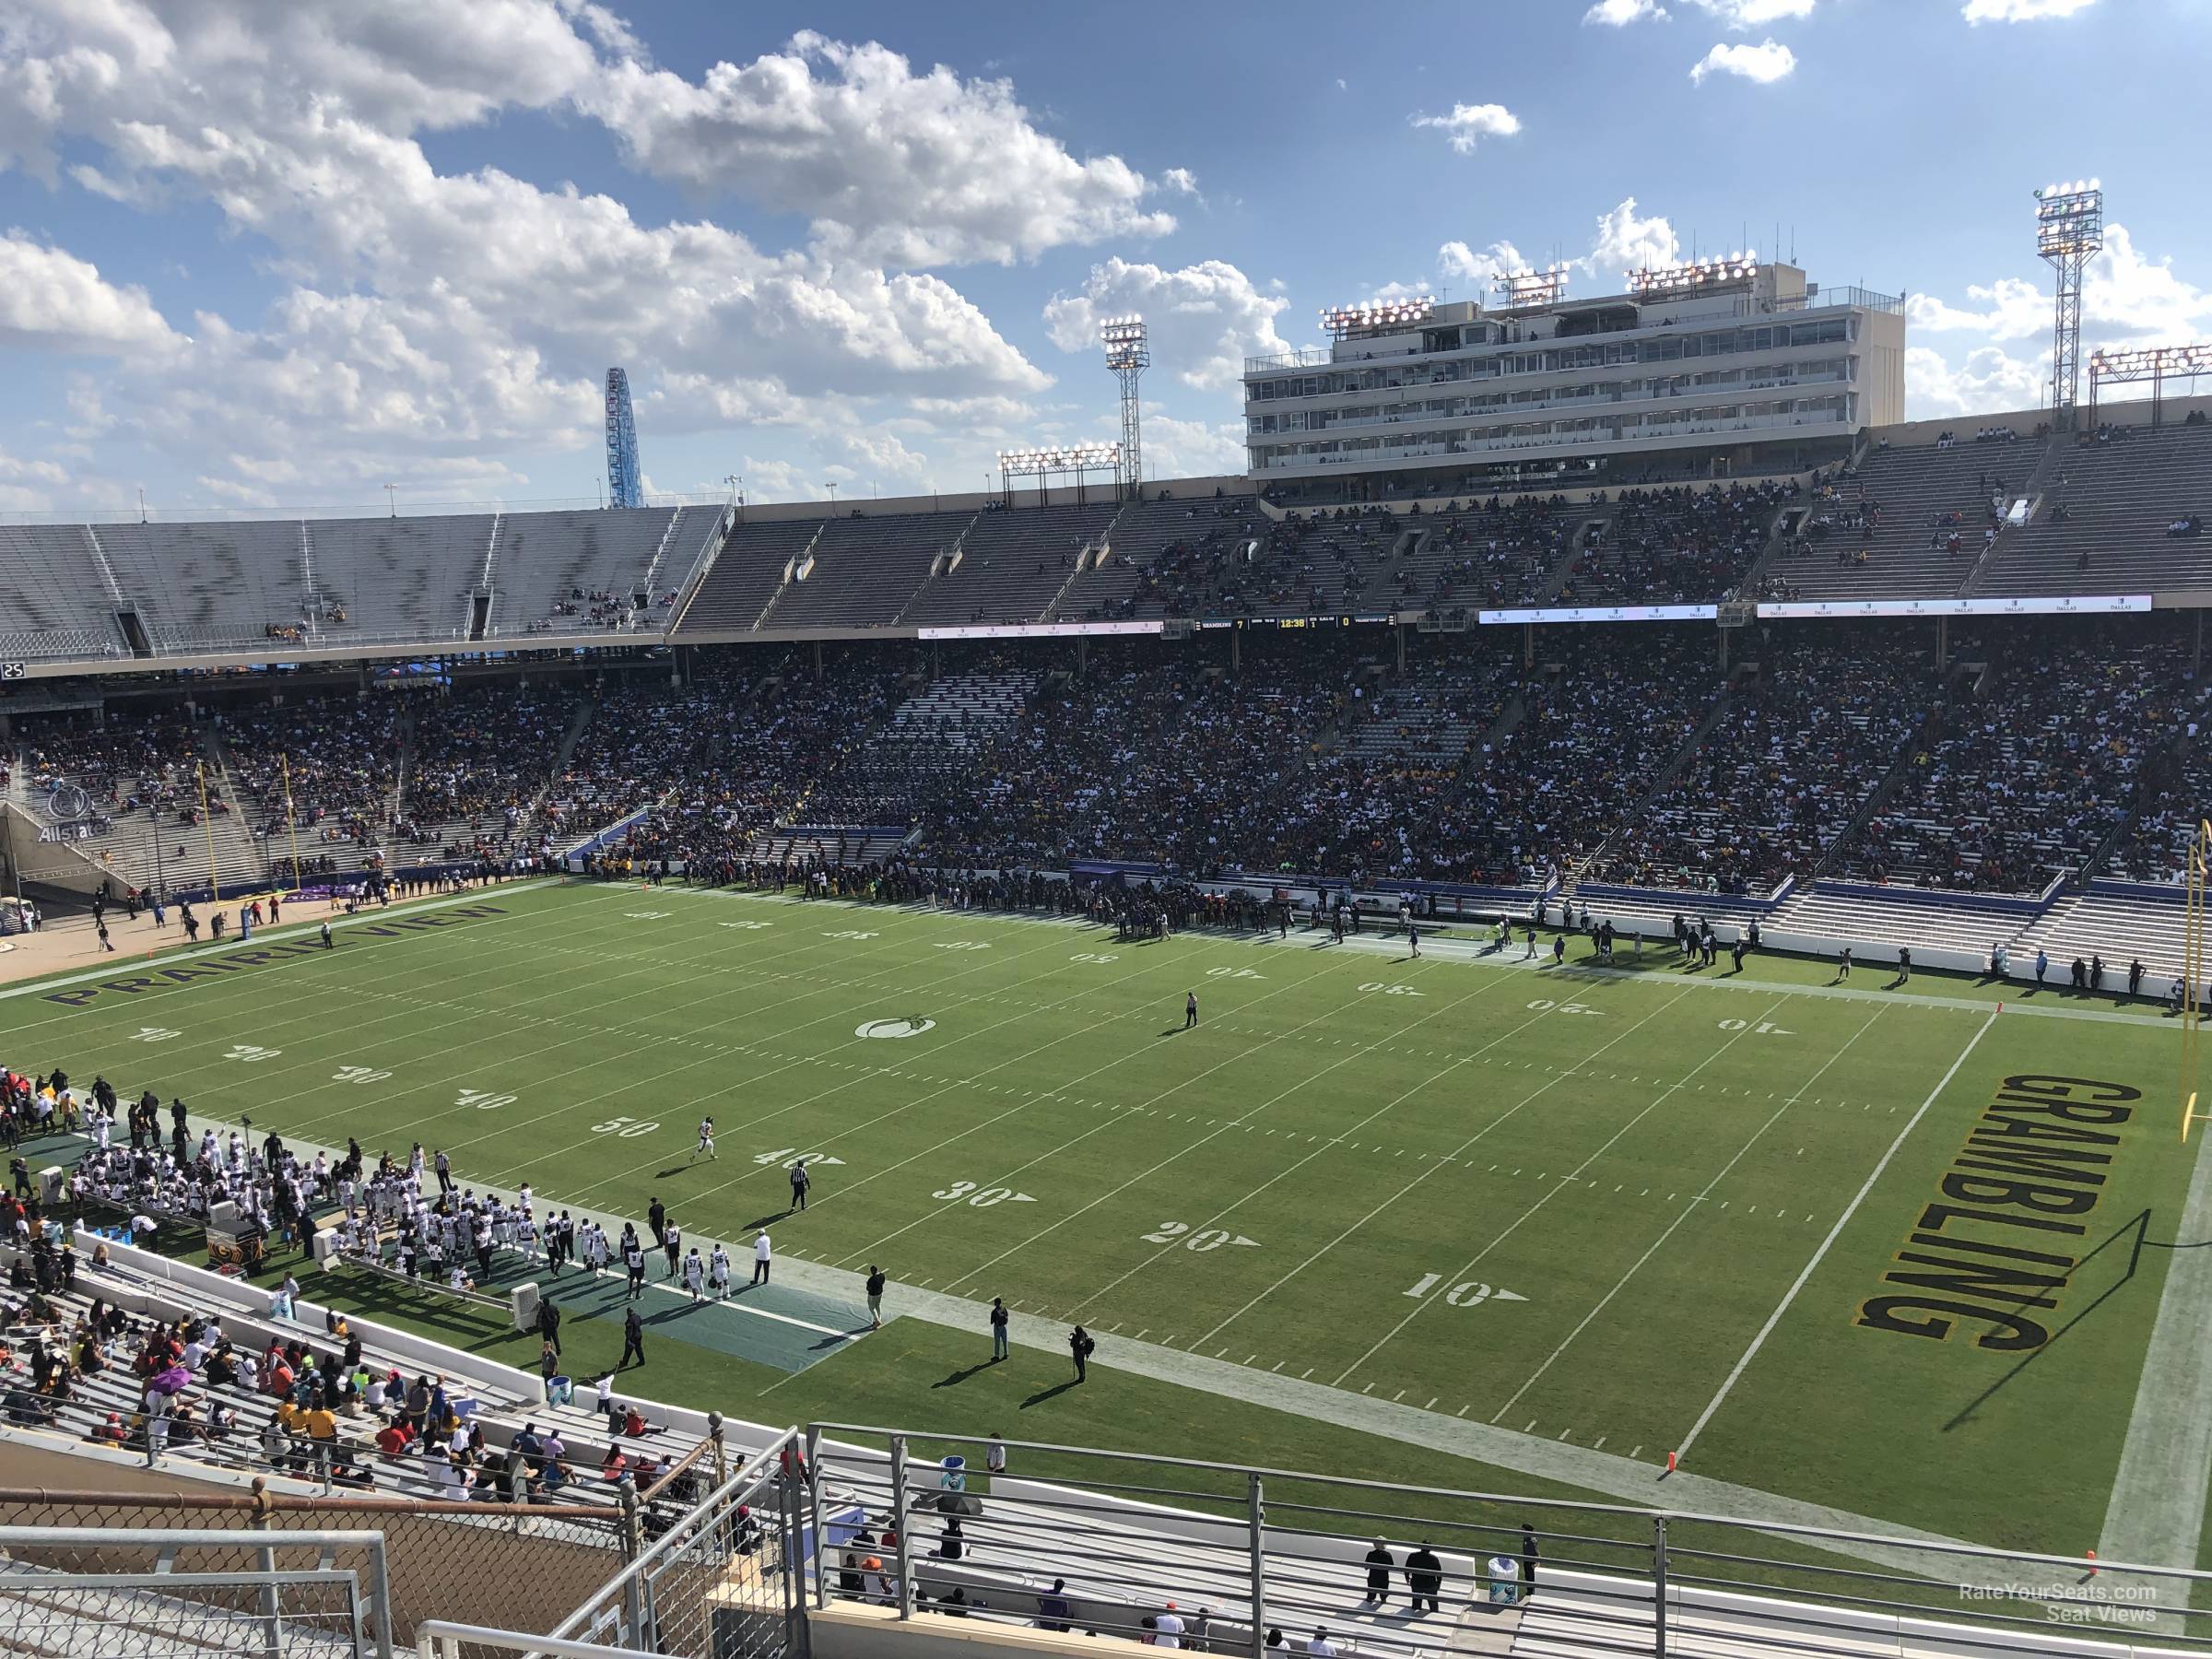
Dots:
(1622, 1213)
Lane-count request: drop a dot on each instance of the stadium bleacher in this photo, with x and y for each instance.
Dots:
(2114, 515)
(1904, 524)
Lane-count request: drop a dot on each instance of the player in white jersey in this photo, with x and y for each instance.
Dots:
(695, 1274)
(718, 1271)
(525, 1236)
(706, 1138)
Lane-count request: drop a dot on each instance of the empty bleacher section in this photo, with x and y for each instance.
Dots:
(2123, 510)
(580, 572)
(861, 571)
(754, 561)
(394, 577)
(1905, 524)
(1012, 564)
(54, 603)
(1801, 746)
(2032, 769)
(216, 586)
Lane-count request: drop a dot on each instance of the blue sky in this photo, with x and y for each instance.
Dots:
(265, 255)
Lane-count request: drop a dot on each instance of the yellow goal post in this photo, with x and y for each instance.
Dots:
(2193, 971)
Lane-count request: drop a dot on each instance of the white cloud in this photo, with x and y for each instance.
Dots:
(1990, 380)
(432, 318)
(52, 300)
(1468, 124)
(1756, 14)
(2020, 11)
(2126, 297)
(1192, 448)
(1627, 243)
(1204, 319)
(1619, 14)
(1766, 62)
(915, 170)
(1181, 180)
(1457, 259)
(2009, 309)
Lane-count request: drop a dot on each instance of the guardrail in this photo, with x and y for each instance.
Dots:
(1249, 1559)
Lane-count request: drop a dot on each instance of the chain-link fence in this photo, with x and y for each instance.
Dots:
(97, 1590)
(722, 1581)
(521, 1567)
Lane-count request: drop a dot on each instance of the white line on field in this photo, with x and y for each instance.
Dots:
(1553, 1192)
(1850, 1210)
(1686, 1211)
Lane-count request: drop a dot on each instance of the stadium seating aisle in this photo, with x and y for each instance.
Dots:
(1905, 524)
(572, 572)
(213, 586)
(2122, 510)
(1013, 564)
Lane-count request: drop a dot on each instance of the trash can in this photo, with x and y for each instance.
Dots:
(1505, 1580)
(560, 1391)
(954, 1478)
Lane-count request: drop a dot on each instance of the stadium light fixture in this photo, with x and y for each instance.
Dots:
(1526, 287)
(2069, 229)
(1689, 278)
(1375, 315)
(1128, 354)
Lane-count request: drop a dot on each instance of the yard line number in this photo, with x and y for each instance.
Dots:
(1206, 1239)
(1473, 1294)
(980, 1197)
(628, 1128)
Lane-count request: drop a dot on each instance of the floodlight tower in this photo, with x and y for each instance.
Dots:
(1128, 354)
(623, 488)
(2069, 229)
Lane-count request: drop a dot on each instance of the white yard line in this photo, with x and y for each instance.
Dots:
(1457, 1152)
(1573, 1176)
(1241, 1120)
(1834, 1233)
(1687, 1210)
(1114, 1117)
(2157, 1511)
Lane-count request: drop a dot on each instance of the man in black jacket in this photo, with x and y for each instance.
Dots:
(1424, 1577)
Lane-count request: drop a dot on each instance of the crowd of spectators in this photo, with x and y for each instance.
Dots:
(2034, 769)
(342, 755)
(1681, 546)
(480, 755)
(1801, 745)
(128, 759)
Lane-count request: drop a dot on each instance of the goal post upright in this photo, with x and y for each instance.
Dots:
(2193, 970)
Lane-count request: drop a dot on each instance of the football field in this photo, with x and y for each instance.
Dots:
(1888, 1249)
